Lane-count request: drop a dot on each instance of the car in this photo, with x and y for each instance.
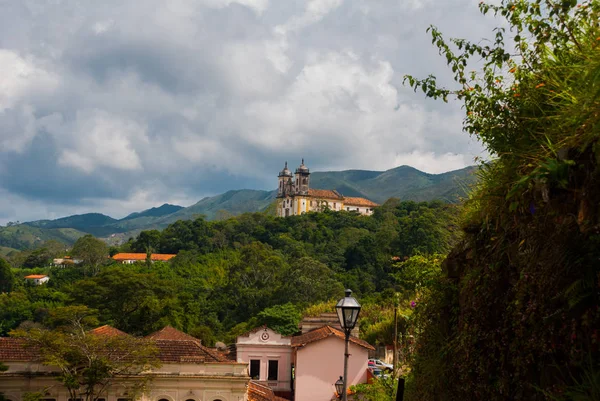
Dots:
(378, 363)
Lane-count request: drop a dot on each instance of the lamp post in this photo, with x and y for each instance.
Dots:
(339, 386)
(347, 310)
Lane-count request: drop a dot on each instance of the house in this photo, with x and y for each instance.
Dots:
(129, 258)
(189, 372)
(294, 196)
(269, 358)
(319, 362)
(303, 367)
(37, 279)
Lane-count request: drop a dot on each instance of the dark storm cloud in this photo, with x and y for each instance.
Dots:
(113, 106)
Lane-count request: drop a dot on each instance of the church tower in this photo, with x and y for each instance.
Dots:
(285, 177)
(302, 179)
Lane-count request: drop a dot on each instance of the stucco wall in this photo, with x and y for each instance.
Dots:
(272, 347)
(320, 364)
(173, 382)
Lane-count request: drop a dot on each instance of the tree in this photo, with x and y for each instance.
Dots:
(88, 362)
(7, 278)
(284, 319)
(133, 302)
(91, 251)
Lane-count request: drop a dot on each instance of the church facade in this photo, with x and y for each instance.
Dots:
(295, 197)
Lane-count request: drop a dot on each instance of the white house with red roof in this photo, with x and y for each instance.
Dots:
(129, 258)
(37, 279)
(294, 196)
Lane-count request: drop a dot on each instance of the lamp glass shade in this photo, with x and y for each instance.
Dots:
(339, 386)
(347, 310)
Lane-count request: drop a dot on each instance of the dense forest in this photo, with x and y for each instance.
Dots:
(237, 273)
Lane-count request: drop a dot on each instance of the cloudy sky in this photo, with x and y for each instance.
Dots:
(115, 106)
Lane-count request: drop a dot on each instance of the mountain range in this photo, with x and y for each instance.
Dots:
(404, 182)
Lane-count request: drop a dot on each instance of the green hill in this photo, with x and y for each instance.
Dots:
(23, 236)
(404, 182)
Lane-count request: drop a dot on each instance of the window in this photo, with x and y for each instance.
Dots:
(273, 370)
(255, 369)
(334, 205)
(311, 203)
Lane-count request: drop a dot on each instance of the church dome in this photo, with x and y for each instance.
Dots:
(302, 168)
(285, 172)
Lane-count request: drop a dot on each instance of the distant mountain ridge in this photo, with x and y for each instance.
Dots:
(404, 182)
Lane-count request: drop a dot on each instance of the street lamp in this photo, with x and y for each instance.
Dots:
(347, 310)
(339, 386)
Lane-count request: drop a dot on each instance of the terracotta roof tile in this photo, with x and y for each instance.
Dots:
(325, 332)
(171, 333)
(142, 256)
(175, 346)
(16, 349)
(107, 331)
(36, 276)
(349, 201)
(260, 392)
(324, 194)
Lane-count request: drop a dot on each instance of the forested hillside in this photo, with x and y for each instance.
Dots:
(516, 315)
(231, 275)
(403, 182)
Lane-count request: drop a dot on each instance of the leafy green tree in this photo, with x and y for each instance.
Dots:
(310, 281)
(91, 251)
(284, 319)
(136, 303)
(89, 363)
(38, 258)
(7, 278)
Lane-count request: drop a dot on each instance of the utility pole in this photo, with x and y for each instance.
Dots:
(395, 362)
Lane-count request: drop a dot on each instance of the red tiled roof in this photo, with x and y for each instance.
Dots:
(16, 349)
(325, 332)
(349, 201)
(107, 331)
(36, 276)
(175, 346)
(142, 256)
(324, 194)
(171, 333)
(260, 392)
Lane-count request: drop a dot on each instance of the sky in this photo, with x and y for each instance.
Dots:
(116, 106)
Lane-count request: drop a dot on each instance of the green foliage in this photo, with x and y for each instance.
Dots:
(91, 251)
(518, 312)
(7, 278)
(89, 363)
(382, 389)
(284, 319)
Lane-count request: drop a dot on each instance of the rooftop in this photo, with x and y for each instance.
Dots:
(325, 194)
(350, 201)
(35, 276)
(325, 332)
(142, 256)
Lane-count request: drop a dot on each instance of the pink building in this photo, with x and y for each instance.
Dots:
(269, 358)
(319, 361)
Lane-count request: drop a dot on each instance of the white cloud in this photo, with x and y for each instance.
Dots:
(103, 140)
(184, 95)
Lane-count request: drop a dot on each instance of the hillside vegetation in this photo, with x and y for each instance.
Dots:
(516, 315)
(235, 274)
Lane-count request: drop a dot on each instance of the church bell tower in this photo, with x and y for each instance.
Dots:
(302, 179)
